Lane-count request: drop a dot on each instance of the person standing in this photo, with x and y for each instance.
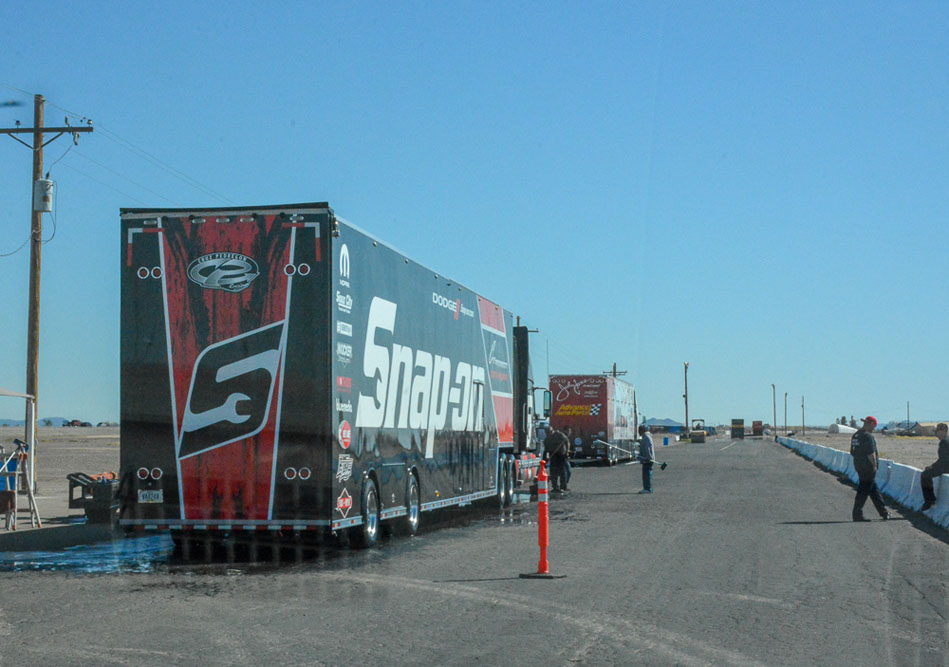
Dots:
(555, 446)
(940, 467)
(647, 456)
(863, 448)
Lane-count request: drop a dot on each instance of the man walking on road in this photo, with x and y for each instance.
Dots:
(940, 467)
(863, 448)
(647, 455)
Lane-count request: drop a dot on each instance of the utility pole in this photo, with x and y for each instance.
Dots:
(686, 397)
(907, 416)
(36, 245)
(774, 408)
(785, 413)
(614, 372)
(803, 428)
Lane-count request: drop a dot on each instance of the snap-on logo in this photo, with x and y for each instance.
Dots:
(228, 271)
(232, 386)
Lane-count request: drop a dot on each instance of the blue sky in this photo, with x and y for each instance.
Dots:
(759, 189)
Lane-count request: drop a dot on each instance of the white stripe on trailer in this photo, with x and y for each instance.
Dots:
(283, 366)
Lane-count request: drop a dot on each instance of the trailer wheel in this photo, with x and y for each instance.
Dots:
(502, 481)
(412, 503)
(367, 535)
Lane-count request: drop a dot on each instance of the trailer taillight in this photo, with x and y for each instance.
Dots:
(142, 473)
(156, 473)
(304, 473)
(290, 473)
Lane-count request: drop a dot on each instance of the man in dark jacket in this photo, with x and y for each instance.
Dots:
(940, 467)
(863, 448)
(555, 446)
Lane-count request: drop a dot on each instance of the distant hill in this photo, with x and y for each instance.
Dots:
(663, 422)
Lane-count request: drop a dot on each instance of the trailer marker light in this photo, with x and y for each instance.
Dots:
(289, 269)
(290, 473)
(156, 272)
(304, 473)
(223, 220)
(296, 217)
(246, 218)
(142, 473)
(143, 272)
(303, 269)
(156, 473)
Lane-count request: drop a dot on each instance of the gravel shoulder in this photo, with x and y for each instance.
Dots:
(918, 452)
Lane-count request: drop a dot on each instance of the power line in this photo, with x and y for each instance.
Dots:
(141, 152)
(91, 178)
(123, 176)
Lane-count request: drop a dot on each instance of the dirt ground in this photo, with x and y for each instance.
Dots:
(918, 452)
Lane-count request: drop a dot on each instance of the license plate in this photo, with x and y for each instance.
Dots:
(150, 496)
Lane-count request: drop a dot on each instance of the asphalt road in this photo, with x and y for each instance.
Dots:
(745, 554)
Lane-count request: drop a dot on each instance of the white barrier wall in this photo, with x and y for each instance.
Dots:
(900, 483)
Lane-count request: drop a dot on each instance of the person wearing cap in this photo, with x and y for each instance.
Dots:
(863, 448)
(647, 457)
(940, 467)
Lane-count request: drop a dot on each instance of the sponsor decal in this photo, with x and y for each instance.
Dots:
(453, 307)
(228, 271)
(344, 328)
(231, 387)
(345, 434)
(344, 503)
(344, 468)
(415, 388)
(344, 302)
(588, 387)
(344, 265)
(344, 383)
(345, 352)
(567, 410)
(344, 406)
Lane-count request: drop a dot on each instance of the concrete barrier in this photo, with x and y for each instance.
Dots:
(914, 495)
(900, 483)
(940, 511)
(883, 474)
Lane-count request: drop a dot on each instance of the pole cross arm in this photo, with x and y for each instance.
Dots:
(31, 130)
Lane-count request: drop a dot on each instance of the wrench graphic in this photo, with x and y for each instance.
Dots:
(227, 412)
(266, 360)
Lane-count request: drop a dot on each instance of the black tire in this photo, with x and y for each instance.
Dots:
(366, 535)
(502, 481)
(413, 506)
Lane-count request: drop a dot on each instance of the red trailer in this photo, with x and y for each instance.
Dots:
(600, 412)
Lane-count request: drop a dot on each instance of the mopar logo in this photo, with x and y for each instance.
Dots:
(228, 271)
(344, 265)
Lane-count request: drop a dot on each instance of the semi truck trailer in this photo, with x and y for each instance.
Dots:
(599, 411)
(284, 371)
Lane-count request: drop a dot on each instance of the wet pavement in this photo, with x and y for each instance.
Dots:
(157, 552)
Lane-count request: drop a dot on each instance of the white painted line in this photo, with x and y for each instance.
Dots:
(733, 442)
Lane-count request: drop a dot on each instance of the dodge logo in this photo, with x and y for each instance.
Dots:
(228, 271)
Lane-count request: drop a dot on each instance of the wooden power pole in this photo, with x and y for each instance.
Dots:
(686, 397)
(36, 243)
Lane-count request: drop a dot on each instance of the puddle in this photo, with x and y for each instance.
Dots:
(131, 554)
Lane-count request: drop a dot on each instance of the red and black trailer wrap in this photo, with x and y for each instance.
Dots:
(283, 370)
(597, 409)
